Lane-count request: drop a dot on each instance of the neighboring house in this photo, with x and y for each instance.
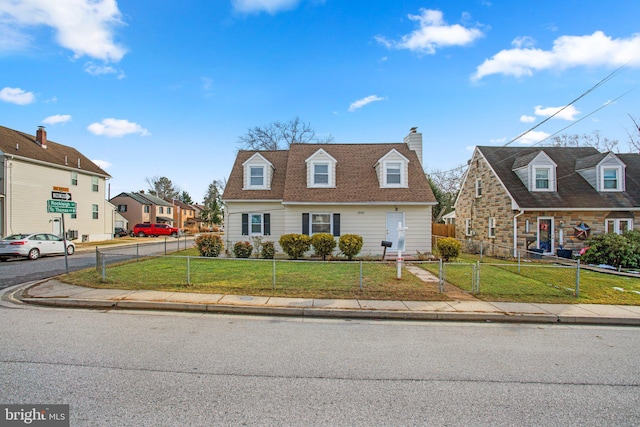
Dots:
(547, 198)
(31, 168)
(184, 216)
(363, 189)
(142, 207)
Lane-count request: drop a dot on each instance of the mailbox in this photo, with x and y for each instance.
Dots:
(386, 244)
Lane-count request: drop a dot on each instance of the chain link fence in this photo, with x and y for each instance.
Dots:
(504, 271)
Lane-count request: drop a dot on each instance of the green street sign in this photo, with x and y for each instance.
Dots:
(61, 206)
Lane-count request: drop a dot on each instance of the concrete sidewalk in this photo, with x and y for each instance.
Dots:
(58, 294)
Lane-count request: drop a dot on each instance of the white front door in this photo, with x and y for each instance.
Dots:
(393, 218)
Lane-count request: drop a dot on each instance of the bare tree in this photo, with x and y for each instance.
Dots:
(594, 139)
(445, 185)
(280, 135)
(162, 187)
(634, 136)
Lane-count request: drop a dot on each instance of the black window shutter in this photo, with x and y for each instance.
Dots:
(245, 224)
(267, 224)
(336, 224)
(305, 223)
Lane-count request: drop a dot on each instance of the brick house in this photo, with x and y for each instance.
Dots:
(364, 189)
(546, 198)
(142, 207)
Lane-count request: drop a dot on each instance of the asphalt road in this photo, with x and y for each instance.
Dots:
(21, 270)
(172, 369)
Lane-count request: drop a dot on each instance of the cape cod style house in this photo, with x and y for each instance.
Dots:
(547, 198)
(363, 189)
(31, 169)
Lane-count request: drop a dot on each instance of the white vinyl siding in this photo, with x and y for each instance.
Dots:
(321, 170)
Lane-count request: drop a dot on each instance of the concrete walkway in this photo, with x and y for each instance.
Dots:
(58, 294)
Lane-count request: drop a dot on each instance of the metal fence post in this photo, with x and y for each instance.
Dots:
(473, 277)
(519, 252)
(137, 252)
(578, 279)
(104, 270)
(360, 274)
(165, 245)
(441, 275)
(481, 249)
(274, 272)
(478, 277)
(188, 270)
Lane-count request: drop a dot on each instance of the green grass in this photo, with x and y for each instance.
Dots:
(540, 282)
(309, 279)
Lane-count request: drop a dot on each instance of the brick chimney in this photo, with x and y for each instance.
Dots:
(414, 142)
(41, 137)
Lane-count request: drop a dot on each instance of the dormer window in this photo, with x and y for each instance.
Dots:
(393, 170)
(610, 179)
(321, 174)
(321, 170)
(258, 173)
(542, 178)
(394, 174)
(257, 176)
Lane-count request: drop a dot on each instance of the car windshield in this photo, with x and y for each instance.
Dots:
(16, 237)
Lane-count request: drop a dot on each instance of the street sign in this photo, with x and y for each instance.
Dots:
(61, 206)
(65, 189)
(60, 195)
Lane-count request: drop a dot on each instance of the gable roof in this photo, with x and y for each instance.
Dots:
(356, 178)
(573, 191)
(144, 199)
(22, 145)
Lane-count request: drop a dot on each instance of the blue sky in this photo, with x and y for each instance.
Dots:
(151, 88)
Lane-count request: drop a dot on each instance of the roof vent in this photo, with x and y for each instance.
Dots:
(79, 167)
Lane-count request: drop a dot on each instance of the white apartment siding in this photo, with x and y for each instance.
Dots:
(370, 223)
(233, 221)
(29, 186)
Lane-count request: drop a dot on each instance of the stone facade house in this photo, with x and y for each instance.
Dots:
(546, 198)
(363, 189)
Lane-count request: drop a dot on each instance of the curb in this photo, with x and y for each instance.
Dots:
(330, 313)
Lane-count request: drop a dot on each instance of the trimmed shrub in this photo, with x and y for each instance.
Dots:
(242, 249)
(268, 250)
(614, 249)
(323, 244)
(295, 245)
(209, 245)
(449, 248)
(350, 245)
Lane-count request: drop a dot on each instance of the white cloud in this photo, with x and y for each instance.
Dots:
(569, 113)
(58, 118)
(527, 119)
(498, 140)
(269, 6)
(117, 128)
(102, 164)
(532, 137)
(16, 95)
(432, 33)
(100, 70)
(592, 50)
(86, 27)
(364, 101)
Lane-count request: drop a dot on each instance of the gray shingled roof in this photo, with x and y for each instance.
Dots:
(144, 199)
(356, 179)
(13, 142)
(573, 191)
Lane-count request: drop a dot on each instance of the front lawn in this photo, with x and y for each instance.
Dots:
(308, 279)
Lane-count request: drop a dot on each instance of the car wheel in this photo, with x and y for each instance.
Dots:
(34, 254)
(141, 234)
(3, 259)
(174, 234)
(70, 250)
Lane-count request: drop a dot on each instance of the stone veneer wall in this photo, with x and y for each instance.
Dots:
(496, 203)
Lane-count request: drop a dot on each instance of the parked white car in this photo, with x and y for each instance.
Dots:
(33, 246)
